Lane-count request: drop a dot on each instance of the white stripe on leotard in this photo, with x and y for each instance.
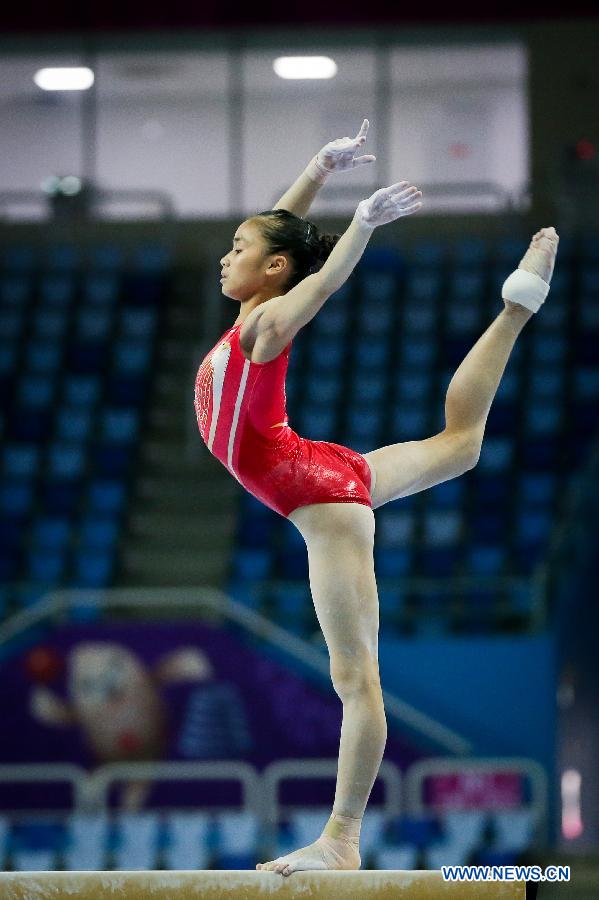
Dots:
(220, 361)
(238, 402)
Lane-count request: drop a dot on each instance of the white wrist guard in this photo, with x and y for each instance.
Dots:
(526, 289)
(316, 172)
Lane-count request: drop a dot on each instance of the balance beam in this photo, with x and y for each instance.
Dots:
(248, 885)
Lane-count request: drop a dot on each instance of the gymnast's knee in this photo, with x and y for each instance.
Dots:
(355, 673)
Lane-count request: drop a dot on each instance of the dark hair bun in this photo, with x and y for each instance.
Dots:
(326, 242)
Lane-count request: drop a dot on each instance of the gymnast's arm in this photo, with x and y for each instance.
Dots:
(284, 316)
(336, 156)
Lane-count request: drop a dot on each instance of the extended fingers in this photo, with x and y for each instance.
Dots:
(361, 135)
(360, 160)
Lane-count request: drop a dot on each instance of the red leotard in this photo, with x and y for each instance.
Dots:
(240, 408)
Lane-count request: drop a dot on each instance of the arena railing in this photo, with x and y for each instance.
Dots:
(260, 790)
(418, 773)
(57, 605)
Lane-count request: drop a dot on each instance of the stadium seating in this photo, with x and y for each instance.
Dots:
(75, 355)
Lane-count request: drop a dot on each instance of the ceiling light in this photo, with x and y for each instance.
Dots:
(64, 79)
(305, 67)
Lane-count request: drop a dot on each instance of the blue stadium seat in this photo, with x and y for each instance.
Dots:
(51, 532)
(57, 290)
(463, 317)
(467, 286)
(381, 288)
(152, 258)
(18, 258)
(318, 422)
(367, 387)
(16, 498)
(99, 532)
(370, 352)
(395, 527)
(544, 419)
(586, 382)
(375, 319)
(511, 250)
(43, 356)
(93, 569)
(420, 318)
(323, 387)
(470, 251)
(50, 324)
(46, 566)
(132, 356)
(62, 257)
(106, 495)
(82, 390)
(15, 290)
(331, 319)
(496, 454)
(413, 386)
(532, 527)
(537, 488)
(510, 387)
(100, 289)
(548, 348)
(74, 423)
(20, 460)
(106, 257)
(255, 529)
(35, 391)
(546, 382)
(137, 323)
(66, 461)
(486, 559)
(429, 253)
(408, 422)
(448, 494)
(392, 562)
(364, 421)
(93, 324)
(119, 426)
(442, 528)
(417, 351)
(250, 564)
(423, 286)
(12, 322)
(291, 601)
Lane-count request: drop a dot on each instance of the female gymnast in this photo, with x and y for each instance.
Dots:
(281, 271)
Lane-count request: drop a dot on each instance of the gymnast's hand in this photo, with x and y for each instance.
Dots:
(390, 203)
(340, 155)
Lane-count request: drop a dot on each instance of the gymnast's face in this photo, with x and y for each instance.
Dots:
(248, 270)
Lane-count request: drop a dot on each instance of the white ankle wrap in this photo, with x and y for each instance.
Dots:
(525, 288)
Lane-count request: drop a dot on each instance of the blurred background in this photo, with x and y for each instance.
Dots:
(165, 697)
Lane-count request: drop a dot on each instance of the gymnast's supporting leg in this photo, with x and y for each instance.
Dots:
(340, 538)
(406, 468)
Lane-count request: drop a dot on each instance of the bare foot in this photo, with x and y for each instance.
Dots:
(539, 259)
(325, 853)
(540, 256)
